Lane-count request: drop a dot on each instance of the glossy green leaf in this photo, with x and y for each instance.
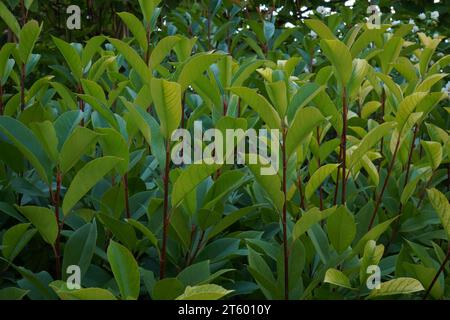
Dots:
(148, 8)
(305, 120)
(433, 151)
(15, 239)
(9, 19)
(12, 293)
(71, 56)
(442, 207)
(318, 178)
(339, 55)
(371, 256)
(125, 270)
(189, 179)
(136, 28)
(194, 67)
(44, 221)
(64, 293)
(167, 98)
(133, 59)
(337, 278)
(24, 139)
(76, 145)
(260, 105)
(86, 178)
(309, 218)
(397, 286)
(204, 292)
(27, 39)
(79, 248)
(320, 28)
(341, 229)
(167, 289)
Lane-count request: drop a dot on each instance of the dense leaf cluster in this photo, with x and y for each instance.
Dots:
(87, 183)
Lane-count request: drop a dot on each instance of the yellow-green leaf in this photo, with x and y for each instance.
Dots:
(189, 179)
(44, 220)
(75, 147)
(341, 229)
(136, 28)
(442, 207)
(337, 278)
(318, 178)
(86, 178)
(204, 292)
(167, 98)
(27, 39)
(125, 270)
(260, 104)
(397, 286)
(433, 150)
(305, 120)
(341, 59)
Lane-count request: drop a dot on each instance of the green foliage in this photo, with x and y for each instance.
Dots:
(86, 177)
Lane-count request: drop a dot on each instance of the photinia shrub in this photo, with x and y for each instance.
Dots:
(209, 151)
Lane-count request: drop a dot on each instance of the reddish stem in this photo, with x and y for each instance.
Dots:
(162, 264)
(1, 100)
(147, 50)
(22, 87)
(56, 202)
(300, 190)
(81, 103)
(239, 108)
(441, 269)
(209, 30)
(225, 107)
(284, 218)
(422, 194)
(383, 103)
(408, 165)
(344, 144)
(126, 193)
(380, 195)
(337, 178)
(197, 249)
(182, 112)
(448, 177)
(23, 12)
(318, 163)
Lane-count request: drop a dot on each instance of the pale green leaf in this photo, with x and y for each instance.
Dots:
(318, 178)
(136, 28)
(77, 145)
(260, 104)
(337, 278)
(189, 179)
(339, 55)
(167, 99)
(44, 220)
(71, 56)
(442, 207)
(9, 19)
(397, 286)
(125, 270)
(305, 120)
(341, 229)
(86, 178)
(204, 292)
